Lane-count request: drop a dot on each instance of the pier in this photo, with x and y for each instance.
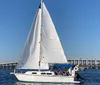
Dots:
(85, 62)
(82, 62)
(8, 65)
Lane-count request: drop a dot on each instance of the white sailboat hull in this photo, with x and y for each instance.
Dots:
(45, 78)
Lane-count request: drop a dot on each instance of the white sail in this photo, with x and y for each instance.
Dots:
(52, 51)
(43, 44)
(31, 53)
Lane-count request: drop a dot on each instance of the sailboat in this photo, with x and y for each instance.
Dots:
(42, 47)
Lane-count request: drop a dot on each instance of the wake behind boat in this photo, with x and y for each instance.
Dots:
(42, 48)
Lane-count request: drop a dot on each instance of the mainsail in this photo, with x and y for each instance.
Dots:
(51, 47)
(43, 44)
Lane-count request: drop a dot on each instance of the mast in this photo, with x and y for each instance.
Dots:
(40, 34)
(41, 2)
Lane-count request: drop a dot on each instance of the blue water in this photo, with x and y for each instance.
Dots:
(91, 77)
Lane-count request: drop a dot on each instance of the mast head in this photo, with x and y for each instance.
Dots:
(41, 0)
(40, 3)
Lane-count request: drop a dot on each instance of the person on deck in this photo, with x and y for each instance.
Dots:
(64, 73)
(59, 73)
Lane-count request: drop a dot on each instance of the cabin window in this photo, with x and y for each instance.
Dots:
(34, 73)
(49, 73)
(43, 73)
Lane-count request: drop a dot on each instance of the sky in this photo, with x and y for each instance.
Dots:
(77, 23)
